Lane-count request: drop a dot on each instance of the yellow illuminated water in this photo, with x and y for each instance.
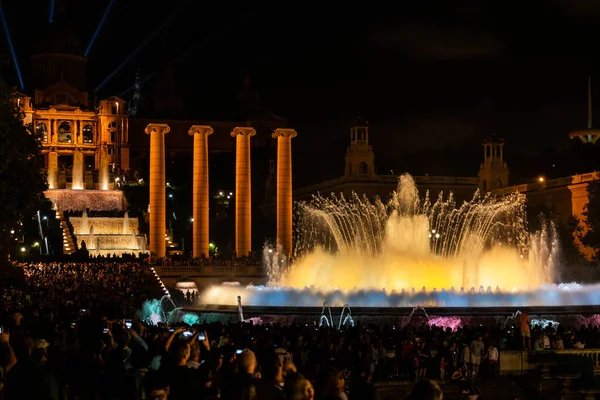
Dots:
(414, 244)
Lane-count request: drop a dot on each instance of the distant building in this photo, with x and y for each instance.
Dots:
(360, 175)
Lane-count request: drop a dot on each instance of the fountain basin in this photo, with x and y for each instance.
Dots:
(103, 225)
(112, 242)
(572, 295)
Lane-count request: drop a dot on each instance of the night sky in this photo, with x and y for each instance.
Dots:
(433, 78)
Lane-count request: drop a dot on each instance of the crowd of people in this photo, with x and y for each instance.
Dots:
(69, 332)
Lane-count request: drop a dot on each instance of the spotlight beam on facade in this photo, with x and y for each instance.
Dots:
(99, 27)
(141, 46)
(51, 13)
(239, 23)
(11, 47)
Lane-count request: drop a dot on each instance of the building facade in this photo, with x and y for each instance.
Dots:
(360, 174)
(82, 142)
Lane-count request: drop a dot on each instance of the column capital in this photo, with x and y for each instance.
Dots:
(161, 128)
(243, 130)
(284, 132)
(200, 129)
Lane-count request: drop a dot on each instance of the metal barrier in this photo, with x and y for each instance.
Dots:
(210, 270)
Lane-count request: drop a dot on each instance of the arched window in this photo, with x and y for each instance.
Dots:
(42, 132)
(349, 169)
(64, 133)
(88, 134)
(484, 185)
(498, 184)
(363, 169)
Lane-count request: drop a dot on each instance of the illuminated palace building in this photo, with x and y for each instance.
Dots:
(81, 145)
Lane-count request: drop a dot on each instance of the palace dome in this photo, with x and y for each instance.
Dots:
(59, 38)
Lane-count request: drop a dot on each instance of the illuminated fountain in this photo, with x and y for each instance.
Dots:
(84, 225)
(109, 235)
(413, 252)
(126, 224)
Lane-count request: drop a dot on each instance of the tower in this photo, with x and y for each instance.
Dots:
(493, 173)
(243, 190)
(250, 103)
(58, 67)
(360, 159)
(167, 99)
(134, 103)
(284, 188)
(200, 201)
(588, 135)
(157, 208)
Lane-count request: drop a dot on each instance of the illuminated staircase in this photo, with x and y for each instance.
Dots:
(69, 247)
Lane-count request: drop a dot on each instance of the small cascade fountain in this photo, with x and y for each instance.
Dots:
(114, 235)
(156, 311)
(348, 317)
(240, 310)
(406, 320)
(134, 241)
(324, 316)
(93, 245)
(329, 321)
(126, 224)
(84, 227)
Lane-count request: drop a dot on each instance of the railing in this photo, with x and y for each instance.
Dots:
(558, 182)
(512, 361)
(593, 354)
(210, 270)
(330, 185)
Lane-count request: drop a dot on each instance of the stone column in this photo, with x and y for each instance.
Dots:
(78, 167)
(158, 212)
(53, 170)
(284, 188)
(243, 190)
(200, 199)
(103, 176)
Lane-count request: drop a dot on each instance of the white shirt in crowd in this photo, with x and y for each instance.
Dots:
(493, 354)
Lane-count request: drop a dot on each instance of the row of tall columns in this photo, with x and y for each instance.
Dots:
(157, 181)
(200, 202)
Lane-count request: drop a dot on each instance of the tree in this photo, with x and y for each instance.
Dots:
(22, 180)
(591, 213)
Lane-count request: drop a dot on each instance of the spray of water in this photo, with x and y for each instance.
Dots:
(412, 251)
(155, 311)
(411, 243)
